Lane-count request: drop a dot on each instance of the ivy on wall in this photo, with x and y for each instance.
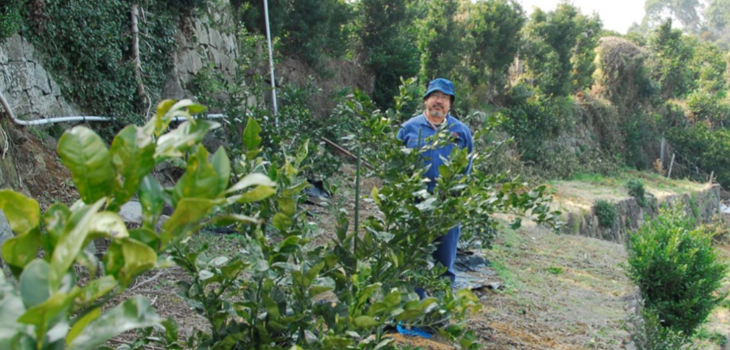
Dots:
(89, 51)
(10, 17)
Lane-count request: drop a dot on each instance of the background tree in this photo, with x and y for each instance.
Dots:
(551, 39)
(717, 17)
(308, 29)
(493, 38)
(687, 12)
(671, 60)
(387, 44)
(584, 54)
(439, 41)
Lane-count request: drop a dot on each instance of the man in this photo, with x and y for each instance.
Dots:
(438, 101)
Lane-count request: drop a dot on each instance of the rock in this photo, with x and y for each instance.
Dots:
(5, 232)
(131, 213)
(161, 221)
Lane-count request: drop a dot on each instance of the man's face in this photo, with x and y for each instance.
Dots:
(438, 104)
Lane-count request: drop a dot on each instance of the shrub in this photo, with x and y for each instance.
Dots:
(606, 213)
(59, 301)
(676, 270)
(647, 333)
(636, 190)
(703, 148)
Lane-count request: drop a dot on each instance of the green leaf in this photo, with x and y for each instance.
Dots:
(191, 107)
(222, 166)
(107, 225)
(161, 121)
(35, 284)
(365, 322)
(200, 179)
(79, 326)
(187, 135)
(136, 256)
(19, 251)
(231, 270)
(147, 237)
(55, 219)
(408, 314)
(11, 307)
(272, 308)
(253, 179)
(45, 315)
(23, 213)
(287, 206)
(317, 290)
(134, 313)
(282, 221)
(375, 195)
(313, 273)
(251, 139)
(132, 154)
(150, 197)
(302, 153)
(185, 219)
(87, 157)
(95, 289)
(72, 241)
(259, 193)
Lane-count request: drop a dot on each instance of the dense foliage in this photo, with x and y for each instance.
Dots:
(677, 270)
(88, 48)
(61, 299)
(10, 18)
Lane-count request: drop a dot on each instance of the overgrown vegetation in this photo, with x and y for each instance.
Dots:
(10, 18)
(636, 189)
(543, 76)
(61, 300)
(606, 213)
(677, 271)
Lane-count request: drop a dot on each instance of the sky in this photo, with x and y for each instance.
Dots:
(616, 15)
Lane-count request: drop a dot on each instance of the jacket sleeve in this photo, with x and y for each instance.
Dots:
(402, 135)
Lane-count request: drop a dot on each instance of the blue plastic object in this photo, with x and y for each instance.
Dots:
(412, 332)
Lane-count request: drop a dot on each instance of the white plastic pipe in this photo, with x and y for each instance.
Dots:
(271, 62)
(76, 118)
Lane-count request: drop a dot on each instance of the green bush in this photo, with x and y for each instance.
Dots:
(533, 118)
(93, 63)
(606, 213)
(647, 333)
(700, 146)
(676, 269)
(636, 190)
(61, 299)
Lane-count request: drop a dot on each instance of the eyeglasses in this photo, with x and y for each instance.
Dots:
(440, 96)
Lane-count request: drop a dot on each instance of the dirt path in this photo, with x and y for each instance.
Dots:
(561, 292)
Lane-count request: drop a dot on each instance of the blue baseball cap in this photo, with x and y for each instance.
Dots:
(443, 85)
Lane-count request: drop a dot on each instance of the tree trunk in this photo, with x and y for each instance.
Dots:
(141, 95)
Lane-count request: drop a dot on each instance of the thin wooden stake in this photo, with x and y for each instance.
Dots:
(712, 175)
(669, 174)
(355, 236)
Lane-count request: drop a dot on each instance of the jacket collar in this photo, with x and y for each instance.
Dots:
(423, 121)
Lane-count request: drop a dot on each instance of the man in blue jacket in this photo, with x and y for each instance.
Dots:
(438, 101)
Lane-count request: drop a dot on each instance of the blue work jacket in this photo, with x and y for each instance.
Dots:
(410, 130)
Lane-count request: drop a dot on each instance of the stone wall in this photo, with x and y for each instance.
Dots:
(28, 87)
(702, 206)
(208, 46)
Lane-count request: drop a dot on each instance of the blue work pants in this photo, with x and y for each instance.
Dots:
(445, 254)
